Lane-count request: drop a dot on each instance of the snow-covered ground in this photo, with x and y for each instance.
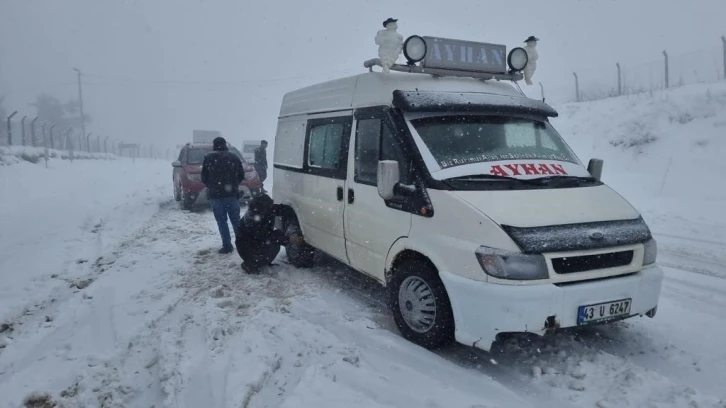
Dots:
(110, 296)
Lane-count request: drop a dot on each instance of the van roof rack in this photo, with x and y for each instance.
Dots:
(439, 72)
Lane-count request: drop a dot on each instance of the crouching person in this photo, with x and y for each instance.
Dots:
(258, 241)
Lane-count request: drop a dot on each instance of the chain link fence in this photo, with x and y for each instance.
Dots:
(665, 71)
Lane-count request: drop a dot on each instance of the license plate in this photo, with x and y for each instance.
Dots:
(603, 311)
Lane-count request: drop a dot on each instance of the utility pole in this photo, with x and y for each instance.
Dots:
(80, 100)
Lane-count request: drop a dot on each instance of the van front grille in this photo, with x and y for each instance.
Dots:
(584, 263)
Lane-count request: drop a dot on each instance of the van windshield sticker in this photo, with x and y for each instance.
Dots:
(528, 169)
(446, 163)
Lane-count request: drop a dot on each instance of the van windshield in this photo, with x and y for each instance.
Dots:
(456, 140)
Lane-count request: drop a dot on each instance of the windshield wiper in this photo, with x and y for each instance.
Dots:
(548, 180)
(489, 177)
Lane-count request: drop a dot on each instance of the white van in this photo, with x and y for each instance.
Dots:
(456, 193)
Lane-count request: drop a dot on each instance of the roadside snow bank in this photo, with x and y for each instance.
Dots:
(19, 154)
(55, 222)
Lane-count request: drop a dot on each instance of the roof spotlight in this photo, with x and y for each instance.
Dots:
(414, 49)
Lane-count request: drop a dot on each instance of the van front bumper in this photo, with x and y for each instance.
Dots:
(482, 310)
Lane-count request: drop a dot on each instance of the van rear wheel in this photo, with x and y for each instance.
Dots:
(420, 305)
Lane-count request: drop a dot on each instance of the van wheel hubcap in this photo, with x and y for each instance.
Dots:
(417, 304)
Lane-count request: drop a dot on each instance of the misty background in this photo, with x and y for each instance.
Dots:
(153, 70)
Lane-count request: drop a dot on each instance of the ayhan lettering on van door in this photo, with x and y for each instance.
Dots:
(527, 169)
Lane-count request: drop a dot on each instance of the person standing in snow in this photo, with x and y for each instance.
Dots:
(222, 172)
(261, 164)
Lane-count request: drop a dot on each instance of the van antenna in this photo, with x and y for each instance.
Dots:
(519, 88)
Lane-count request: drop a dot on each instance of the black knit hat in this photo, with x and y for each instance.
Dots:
(219, 143)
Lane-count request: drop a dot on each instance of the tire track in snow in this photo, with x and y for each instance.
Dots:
(100, 381)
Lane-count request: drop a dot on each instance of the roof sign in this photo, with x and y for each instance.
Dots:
(445, 53)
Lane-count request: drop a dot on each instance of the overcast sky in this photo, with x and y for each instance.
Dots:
(156, 69)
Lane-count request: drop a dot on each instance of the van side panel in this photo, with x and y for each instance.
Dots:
(451, 237)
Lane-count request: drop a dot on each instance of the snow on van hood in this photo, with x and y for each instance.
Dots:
(557, 206)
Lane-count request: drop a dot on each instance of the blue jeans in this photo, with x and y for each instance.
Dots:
(223, 208)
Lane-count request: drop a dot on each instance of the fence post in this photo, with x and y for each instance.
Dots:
(577, 87)
(69, 143)
(10, 128)
(667, 77)
(105, 145)
(620, 80)
(88, 142)
(45, 140)
(52, 139)
(32, 130)
(723, 39)
(22, 130)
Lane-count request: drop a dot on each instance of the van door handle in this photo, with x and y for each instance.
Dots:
(340, 193)
(351, 196)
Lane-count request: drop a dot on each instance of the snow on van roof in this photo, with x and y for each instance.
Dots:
(376, 89)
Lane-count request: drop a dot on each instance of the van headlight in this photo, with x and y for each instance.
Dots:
(511, 265)
(650, 252)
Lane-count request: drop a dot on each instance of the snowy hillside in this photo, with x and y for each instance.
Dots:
(110, 296)
(664, 153)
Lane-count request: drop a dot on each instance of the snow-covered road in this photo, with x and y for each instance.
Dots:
(165, 321)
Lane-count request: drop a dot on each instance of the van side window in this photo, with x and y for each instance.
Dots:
(367, 150)
(373, 142)
(325, 145)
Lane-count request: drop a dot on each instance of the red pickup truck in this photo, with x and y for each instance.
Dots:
(187, 176)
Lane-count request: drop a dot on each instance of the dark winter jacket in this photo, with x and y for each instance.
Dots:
(222, 172)
(261, 158)
(256, 239)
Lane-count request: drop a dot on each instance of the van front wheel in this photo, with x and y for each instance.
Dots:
(420, 305)
(299, 253)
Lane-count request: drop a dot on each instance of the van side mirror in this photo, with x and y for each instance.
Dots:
(594, 167)
(388, 178)
(176, 163)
